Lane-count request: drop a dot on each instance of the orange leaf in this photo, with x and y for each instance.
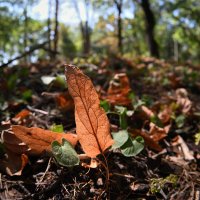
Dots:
(22, 115)
(32, 141)
(148, 140)
(92, 125)
(119, 89)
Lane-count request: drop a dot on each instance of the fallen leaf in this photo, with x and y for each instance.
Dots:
(119, 90)
(93, 163)
(157, 133)
(92, 125)
(21, 115)
(14, 164)
(165, 114)
(183, 101)
(148, 140)
(32, 141)
(63, 100)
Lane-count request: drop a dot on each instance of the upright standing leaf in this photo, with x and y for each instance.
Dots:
(92, 125)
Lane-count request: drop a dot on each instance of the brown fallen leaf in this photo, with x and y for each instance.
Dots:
(119, 90)
(21, 115)
(63, 100)
(157, 133)
(20, 142)
(148, 140)
(92, 125)
(32, 141)
(14, 163)
(183, 101)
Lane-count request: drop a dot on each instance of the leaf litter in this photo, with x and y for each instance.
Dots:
(158, 105)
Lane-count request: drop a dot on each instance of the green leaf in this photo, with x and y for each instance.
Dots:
(155, 119)
(65, 153)
(120, 138)
(180, 120)
(57, 128)
(27, 94)
(105, 105)
(197, 138)
(122, 116)
(132, 147)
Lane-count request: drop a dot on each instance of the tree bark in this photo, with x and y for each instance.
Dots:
(49, 27)
(150, 24)
(56, 28)
(84, 27)
(119, 24)
(25, 30)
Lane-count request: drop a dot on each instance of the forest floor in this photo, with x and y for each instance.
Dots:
(159, 101)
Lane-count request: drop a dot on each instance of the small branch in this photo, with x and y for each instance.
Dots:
(32, 49)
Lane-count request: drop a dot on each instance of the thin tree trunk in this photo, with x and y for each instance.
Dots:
(49, 27)
(25, 31)
(84, 27)
(150, 24)
(56, 27)
(119, 24)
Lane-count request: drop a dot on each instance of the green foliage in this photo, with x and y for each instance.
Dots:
(26, 95)
(180, 120)
(133, 147)
(57, 128)
(120, 138)
(157, 184)
(65, 153)
(122, 111)
(105, 105)
(128, 146)
(67, 45)
(197, 138)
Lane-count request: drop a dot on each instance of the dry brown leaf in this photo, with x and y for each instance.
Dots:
(147, 111)
(92, 125)
(21, 115)
(157, 133)
(183, 101)
(165, 114)
(148, 140)
(94, 163)
(32, 141)
(119, 89)
(14, 164)
(63, 100)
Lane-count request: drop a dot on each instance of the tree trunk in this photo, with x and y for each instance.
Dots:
(25, 31)
(56, 28)
(86, 39)
(84, 27)
(49, 28)
(150, 24)
(119, 25)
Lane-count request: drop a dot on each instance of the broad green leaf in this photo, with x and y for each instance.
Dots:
(65, 153)
(120, 138)
(57, 128)
(105, 105)
(132, 147)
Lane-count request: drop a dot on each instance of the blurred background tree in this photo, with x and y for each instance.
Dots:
(166, 29)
